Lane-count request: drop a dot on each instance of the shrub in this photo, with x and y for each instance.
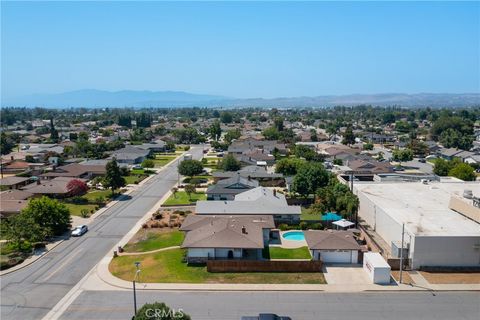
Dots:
(283, 227)
(303, 225)
(84, 213)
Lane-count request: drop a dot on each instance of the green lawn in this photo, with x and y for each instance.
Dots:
(156, 240)
(92, 195)
(181, 198)
(134, 178)
(307, 215)
(76, 209)
(282, 253)
(162, 160)
(167, 267)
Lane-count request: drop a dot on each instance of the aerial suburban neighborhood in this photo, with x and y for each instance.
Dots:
(140, 204)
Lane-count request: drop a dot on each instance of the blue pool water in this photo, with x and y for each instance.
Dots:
(294, 235)
(331, 216)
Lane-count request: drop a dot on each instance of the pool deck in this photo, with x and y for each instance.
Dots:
(290, 244)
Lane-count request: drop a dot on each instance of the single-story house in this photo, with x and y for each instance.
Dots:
(232, 237)
(13, 202)
(258, 173)
(333, 246)
(56, 187)
(254, 157)
(130, 154)
(154, 146)
(227, 189)
(14, 182)
(257, 201)
(76, 170)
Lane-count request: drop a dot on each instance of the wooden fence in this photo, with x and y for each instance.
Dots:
(263, 266)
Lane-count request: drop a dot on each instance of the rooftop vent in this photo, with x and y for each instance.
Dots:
(468, 194)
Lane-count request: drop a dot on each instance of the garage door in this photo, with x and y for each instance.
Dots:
(336, 256)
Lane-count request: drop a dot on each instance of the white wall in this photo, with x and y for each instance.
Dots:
(446, 251)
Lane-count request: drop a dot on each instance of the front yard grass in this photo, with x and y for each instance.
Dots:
(308, 215)
(162, 160)
(167, 267)
(76, 209)
(182, 198)
(282, 253)
(155, 240)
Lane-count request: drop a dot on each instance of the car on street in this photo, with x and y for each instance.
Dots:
(79, 231)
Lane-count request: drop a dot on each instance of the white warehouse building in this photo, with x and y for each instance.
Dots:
(442, 220)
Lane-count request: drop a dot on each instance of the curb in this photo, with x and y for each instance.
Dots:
(21, 266)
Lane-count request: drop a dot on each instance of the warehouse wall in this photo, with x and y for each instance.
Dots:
(446, 251)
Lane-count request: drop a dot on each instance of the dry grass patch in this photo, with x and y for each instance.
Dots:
(452, 277)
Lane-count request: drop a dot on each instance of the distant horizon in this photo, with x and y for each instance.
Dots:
(241, 49)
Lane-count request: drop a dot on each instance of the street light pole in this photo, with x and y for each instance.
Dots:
(137, 265)
(401, 253)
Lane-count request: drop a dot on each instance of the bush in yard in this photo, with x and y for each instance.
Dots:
(197, 181)
(283, 227)
(303, 225)
(84, 213)
(77, 187)
(190, 168)
(78, 200)
(148, 163)
(160, 311)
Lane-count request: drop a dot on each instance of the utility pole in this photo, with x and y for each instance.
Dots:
(401, 253)
(137, 265)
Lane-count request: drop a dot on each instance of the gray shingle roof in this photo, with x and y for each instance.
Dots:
(331, 240)
(253, 202)
(223, 232)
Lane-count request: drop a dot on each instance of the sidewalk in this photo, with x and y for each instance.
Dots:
(79, 220)
(102, 273)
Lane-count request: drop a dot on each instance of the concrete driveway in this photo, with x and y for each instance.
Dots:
(345, 274)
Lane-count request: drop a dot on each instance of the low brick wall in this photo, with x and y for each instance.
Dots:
(263, 266)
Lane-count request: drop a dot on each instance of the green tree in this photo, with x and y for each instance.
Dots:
(148, 163)
(288, 166)
(50, 215)
(226, 117)
(160, 311)
(53, 132)
(348, 136)
(442, 167)
(230, 163)
(402, 155)
(113, 177)
(303, 151)
(231, 135)
(271, 133)
(419, 148)
(463, 171)
(190, 167)
(189, 189)
(22, 228)
(278, 124)
(368, 146)
(6, 144)
(215, 130)
(310, 177)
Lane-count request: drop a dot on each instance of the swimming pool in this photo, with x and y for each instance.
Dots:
(294, 236)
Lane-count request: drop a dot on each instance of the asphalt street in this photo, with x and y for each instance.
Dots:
(31, 292)
(116, 305)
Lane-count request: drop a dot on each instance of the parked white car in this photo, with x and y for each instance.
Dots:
(79, 231)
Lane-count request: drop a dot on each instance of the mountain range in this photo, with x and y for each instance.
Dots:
(91, 98)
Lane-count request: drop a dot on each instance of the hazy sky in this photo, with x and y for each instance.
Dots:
(241, 49)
